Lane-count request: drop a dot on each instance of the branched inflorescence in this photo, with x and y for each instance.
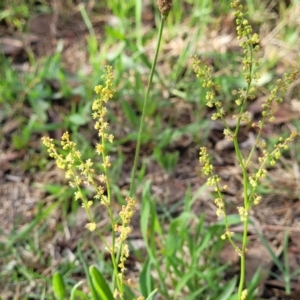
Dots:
(80, 172)
(249, 43)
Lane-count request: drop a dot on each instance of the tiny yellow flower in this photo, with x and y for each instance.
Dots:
(87, 205)
(77, 195)
(116, 293)
(257, 200)
(110, 138)
(99, 148)
(243, 213)
(98, 89)
(91, 226)
(244, 294)
(102, 178)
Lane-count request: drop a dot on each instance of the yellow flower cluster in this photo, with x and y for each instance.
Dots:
(281, 85)
(77, 170)
(72, 162)
(204, 159)
(80, 171)
(91, 226)
(270, 158)
(227, 234)
(204, 72)
(220, 205)
(256, 199)
(100, 111)
(124, 230)
(243, 213)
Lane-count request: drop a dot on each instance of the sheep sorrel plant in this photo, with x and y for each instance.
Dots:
(176, 259)
(81, 174)
(249, 43)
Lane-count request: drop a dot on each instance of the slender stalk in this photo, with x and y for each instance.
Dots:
(138, 22)
(138, 146)
(245, 235)
(146, 100)
(243, 259)
(244, 165)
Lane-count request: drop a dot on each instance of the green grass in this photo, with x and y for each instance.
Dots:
(128, 48)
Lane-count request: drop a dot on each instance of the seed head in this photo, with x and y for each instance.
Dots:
(164, 6)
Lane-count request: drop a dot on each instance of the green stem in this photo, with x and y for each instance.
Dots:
(243, 165)
(243, 259)
(114, 255)
(146, 99)
(245, 234)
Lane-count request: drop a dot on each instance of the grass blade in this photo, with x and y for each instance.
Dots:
(58, 286)
(100, 284)
(228, 290)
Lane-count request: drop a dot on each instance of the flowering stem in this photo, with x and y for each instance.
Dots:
(243, 166)
(243, 259)
(146, 99)
(245, 233)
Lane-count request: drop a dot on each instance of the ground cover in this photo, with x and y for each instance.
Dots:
(53, 56)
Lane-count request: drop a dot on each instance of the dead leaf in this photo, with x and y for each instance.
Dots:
(11, 46)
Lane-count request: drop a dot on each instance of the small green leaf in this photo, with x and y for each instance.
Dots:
(58, 286)
(93, 292)
(115, 34)
(100, 284)
(78, 119)
(183, 281)
(146, 280)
